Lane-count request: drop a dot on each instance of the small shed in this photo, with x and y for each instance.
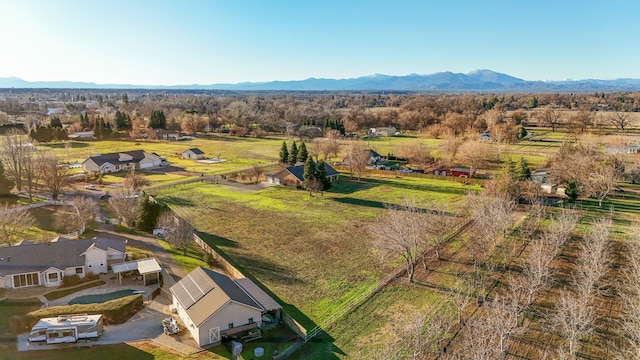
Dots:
(149, 269)
(193, 153)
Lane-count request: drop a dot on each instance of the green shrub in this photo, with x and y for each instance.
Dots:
(210, 260)
(71, 280)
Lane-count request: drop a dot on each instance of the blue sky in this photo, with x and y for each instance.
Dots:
(229, 41)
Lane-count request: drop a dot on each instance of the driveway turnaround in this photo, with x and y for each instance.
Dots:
(146, 324)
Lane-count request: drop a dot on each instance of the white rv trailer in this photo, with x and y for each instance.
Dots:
(67, 328)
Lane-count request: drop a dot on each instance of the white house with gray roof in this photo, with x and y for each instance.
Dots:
(213, 306)
(115, 162)
(46, 264)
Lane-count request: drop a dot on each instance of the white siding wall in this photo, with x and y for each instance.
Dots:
(187, 321)
(96, 257)
(90, 166)
(232, 312)
(45, 277)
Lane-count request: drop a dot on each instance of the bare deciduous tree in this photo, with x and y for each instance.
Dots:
(401, 232)
(12, 152)
(416, 154)
(124, 203)
(135, 181)
(630, 291)
(78, 214)
(254, 173)
(619, 119)
(12, 221)
(473, 153)
(594, 257)
(550, 117)
(179, 232)
(52, 173)
(357, 158)
(574, 319)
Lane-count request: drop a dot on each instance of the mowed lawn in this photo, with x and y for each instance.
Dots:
(238, 152)
(311, 252)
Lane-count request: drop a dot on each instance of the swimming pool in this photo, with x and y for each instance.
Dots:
(100, 298)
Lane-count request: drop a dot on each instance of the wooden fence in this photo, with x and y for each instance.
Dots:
(224, 264)
(417, 175)
(346, 308)
(38, 205)
(365, 295)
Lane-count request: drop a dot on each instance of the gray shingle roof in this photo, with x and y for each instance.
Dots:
(60, 254)
(298, 171)
(113, 158)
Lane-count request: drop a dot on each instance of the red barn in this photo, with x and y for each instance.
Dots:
(461, 172)
(457, 172)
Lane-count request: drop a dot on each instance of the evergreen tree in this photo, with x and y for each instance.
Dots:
(510, 169)
(309, 173)
(524, 173)
(571, 191)
(123, 121)
(55, 122)
(321, 175)
(284, 153)
(149, 213)
(293, 154)
(6, 184)
(100, 128)
(158, 120)
(302, 153)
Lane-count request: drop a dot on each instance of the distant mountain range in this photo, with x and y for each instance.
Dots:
(475, 81)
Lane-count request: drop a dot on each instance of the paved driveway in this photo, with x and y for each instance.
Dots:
(145, 324)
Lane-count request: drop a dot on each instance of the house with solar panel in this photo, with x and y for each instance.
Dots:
(214, 306)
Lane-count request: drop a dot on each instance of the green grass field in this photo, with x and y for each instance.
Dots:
(239, 152)
(311, 252)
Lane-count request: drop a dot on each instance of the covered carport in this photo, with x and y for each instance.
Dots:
(148, 270)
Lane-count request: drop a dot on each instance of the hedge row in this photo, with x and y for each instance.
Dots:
(114, 312)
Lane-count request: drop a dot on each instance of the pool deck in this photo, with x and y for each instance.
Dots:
(111, 285)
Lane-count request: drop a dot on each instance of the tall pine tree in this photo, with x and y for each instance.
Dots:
(303, 154)
(293, 154)
(321, 175)
(284, 153)
(309, 174)
(510, 169)
(158, 120)
(524, 173)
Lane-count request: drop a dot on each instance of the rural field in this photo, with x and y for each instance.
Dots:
(313, 253)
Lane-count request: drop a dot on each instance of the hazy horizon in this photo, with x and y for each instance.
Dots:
(215, 42)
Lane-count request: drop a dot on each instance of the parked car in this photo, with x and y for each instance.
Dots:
(104, 196)
(160, 233)
(90, 187)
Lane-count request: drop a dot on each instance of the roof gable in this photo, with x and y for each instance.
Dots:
(195, 151)
(119, 157)
(298, 171)
(60, 254)
(203, 292)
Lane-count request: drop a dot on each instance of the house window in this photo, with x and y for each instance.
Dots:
(230, 325)
(90, 265)
(251, 321)
(79, 271)
(52, 277)
(101, 263)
